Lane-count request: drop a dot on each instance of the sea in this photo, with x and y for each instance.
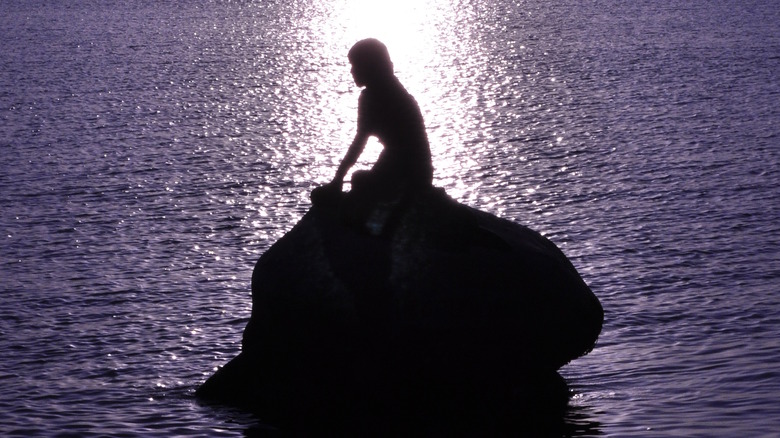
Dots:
(152, 151)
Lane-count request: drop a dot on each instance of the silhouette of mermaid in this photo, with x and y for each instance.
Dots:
(388, 112)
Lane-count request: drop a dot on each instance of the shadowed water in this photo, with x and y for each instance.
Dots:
(152, 151)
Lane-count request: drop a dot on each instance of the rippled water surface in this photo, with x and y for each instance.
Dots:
(151, 151)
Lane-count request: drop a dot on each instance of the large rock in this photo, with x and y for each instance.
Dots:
(448, 312)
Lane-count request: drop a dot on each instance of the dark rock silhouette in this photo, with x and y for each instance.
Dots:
(434, 315)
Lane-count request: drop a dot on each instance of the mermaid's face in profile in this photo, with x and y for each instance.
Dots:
(359, 74)
(371, 63)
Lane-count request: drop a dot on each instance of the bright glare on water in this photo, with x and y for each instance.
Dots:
(153, 150)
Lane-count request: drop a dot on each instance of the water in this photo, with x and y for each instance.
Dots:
(152, 151)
